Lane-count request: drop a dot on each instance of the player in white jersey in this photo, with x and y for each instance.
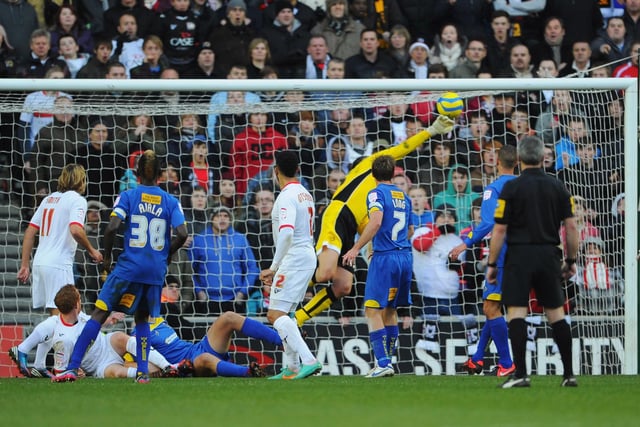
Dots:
(59, 223)
(105, 357)
(292, 266)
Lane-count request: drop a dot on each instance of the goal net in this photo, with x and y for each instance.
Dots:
(217, 140)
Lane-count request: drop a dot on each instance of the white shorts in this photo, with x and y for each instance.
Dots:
(288, 288)
(46, 282)
(100, 356)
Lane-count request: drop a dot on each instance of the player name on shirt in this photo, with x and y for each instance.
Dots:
(150, 204)
(304, 197)
(398, 200)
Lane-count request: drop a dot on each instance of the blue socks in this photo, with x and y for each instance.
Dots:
(378, 341)
(392, 339)
(498, 331)
(254, 329)
(142, 347)
(87, 336)
(500, 335)
(228, 369)
(485, 334)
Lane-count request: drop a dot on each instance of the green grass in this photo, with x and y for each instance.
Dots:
(400, 401)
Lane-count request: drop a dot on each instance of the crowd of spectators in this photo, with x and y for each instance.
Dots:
(220, 164)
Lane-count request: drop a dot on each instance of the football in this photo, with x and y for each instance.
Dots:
(450, 104)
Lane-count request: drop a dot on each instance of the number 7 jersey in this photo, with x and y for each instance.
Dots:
(149, 214)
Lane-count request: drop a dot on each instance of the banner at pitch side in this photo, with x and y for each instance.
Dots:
(345, 350)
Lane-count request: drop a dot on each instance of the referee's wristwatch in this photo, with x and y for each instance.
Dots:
(570, 261)
(492, 264)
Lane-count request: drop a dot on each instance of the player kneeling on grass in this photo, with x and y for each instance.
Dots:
(104, 359)
(390, 270)
(210, 356)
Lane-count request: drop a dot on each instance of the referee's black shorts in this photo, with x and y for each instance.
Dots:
(533, 266)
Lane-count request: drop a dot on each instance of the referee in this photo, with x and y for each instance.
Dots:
(528, 217)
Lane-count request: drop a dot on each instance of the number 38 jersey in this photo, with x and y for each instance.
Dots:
(58, 211)
(149, 214)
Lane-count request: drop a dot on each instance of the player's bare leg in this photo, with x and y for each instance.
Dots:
(328, 270)
(205, 365)
(219, 334)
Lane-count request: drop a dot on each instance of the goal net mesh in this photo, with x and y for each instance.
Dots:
(222, 146)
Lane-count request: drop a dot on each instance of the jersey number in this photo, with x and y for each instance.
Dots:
(47, 220)
(399, 225)
(143, 231)
(311, 221)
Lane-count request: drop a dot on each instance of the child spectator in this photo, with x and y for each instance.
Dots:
(421, 214)
(97, 66)
(457, 194)
(600, 289)
(448, 47)
(68, 49)
(154, 60)
(67, 22)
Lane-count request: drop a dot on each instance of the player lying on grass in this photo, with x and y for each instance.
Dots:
(210, 356)
(104, 359)
(346, 216)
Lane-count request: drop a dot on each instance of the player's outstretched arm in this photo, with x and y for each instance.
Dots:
(441, 125)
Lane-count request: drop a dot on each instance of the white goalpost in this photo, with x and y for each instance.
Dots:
(38, 132)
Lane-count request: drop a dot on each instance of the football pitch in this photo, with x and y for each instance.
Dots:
(403, 400)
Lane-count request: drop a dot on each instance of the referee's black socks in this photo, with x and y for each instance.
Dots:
(562, 336)
(518, 337)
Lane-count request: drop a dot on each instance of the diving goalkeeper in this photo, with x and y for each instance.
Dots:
(347, 216)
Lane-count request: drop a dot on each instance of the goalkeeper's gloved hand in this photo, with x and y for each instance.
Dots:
(443, 124)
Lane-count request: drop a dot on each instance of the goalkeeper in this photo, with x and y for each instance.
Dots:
(345, 216)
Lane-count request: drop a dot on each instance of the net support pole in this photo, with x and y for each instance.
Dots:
(632, 182)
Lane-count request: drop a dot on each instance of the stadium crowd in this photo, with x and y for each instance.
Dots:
(220, 165)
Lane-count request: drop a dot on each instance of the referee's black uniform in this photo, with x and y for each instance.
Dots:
(533, 207)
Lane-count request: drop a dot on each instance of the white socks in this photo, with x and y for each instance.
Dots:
(290, 335)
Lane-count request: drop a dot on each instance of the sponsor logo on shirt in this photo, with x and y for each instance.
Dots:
(150, 198)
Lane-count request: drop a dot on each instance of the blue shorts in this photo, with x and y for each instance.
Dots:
(125, 296)
(202, 347)
(389, 280)
(493, 291)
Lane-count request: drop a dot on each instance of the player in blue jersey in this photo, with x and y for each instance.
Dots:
(135, 284)
(390, 270)
(210, 357)
(495, 327)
